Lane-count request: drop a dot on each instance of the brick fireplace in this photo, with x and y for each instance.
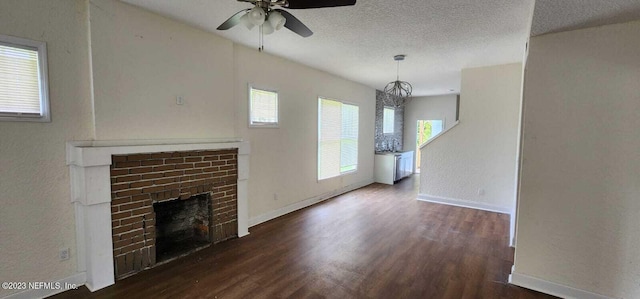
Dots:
(115, 184)
(141, 182)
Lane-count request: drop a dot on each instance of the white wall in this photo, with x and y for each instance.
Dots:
(431, 107)
(480, 152)
(579, 209)
(284, 160)
(142, 61)
(36, 215)
(138, 62)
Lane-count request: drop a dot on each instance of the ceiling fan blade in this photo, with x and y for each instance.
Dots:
(233, 20)
(294, 24)
(303, 4)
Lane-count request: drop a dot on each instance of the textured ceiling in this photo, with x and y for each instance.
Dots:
(439, 37)
(359, 42)
(562, 15)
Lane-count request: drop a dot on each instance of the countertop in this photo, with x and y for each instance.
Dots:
(392, 153)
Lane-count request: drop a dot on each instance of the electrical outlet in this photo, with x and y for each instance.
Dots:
(275, 196)
(64, 254)
(480, 191)
(180, 100)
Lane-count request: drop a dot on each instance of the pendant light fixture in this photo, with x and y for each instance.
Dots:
(398, 93)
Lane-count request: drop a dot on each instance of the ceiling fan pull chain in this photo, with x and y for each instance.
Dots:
(260, 40)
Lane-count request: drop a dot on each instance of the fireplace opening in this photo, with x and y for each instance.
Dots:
(182, 226)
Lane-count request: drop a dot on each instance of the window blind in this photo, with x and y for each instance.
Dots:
(264, 107)
(19, 81)
(337, 138)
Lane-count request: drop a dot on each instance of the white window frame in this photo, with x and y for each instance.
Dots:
(349, 172)
(384, 120)
(43, 79)
(273, 125)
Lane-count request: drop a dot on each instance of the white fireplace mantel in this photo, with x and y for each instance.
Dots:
(89, 163)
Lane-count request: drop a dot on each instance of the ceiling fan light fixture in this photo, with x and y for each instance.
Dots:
(277, 20)
(256, 15)
(267, 28)
(270, 19)
(246, 22)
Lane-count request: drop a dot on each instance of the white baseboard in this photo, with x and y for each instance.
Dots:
(464, 203)
(551, 288)
(305, 203)
(77, 279)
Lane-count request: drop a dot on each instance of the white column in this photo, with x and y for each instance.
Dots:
(91, 194)
(243, 189)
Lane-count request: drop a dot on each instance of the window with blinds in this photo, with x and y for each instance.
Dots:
(23, 86)
(337, 138)
(263, 108)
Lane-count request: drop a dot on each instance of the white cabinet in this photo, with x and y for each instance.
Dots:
(384, 168)
(406, 168)
(391, 167)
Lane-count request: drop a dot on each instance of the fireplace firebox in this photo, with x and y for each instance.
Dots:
(182, 226)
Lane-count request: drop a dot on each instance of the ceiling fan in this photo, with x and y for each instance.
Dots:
(269, 19)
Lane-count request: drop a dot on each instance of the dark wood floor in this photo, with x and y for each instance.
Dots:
(376, 242)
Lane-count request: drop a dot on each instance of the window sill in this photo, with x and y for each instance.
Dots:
(350, 172)
(24, 118)
(269, 126)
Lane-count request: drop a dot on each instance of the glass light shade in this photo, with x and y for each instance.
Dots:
(246, 22)
(277, 20)
(267, 28)
(256, 16)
